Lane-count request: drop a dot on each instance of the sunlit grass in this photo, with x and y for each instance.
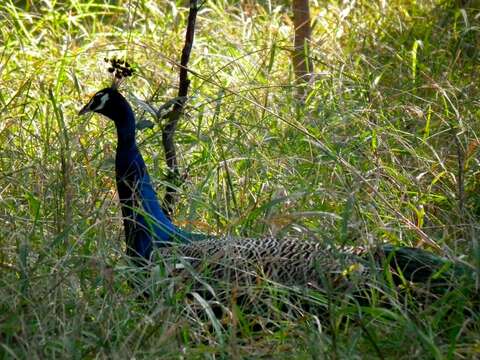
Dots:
(384, 146)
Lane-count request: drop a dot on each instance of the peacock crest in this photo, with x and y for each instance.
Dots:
(120, 69)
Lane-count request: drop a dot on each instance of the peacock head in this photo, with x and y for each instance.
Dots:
(105, 102)
(109, 101)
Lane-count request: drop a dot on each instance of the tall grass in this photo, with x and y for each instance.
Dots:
(383, 149)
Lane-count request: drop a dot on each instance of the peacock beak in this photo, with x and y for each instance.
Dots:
(88, 107)
(85, 109)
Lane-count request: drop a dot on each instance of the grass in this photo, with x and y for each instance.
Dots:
(384, 145)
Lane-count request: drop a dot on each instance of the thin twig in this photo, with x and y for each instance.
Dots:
(168, 132)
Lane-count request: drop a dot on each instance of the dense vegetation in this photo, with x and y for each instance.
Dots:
(383, 148)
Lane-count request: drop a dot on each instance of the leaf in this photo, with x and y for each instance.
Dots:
(208, 310)
(164, 109)
(144, 124)
(108, 163)
(145, 106)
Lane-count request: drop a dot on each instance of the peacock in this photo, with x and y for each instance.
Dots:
(152, 237)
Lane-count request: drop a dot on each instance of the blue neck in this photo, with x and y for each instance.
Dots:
(125, 125)
(145, 223)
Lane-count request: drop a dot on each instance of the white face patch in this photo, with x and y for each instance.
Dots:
(103, 101)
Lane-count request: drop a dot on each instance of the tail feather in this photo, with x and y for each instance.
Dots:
(420, 266)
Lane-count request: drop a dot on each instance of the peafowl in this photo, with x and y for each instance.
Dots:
(288, 261)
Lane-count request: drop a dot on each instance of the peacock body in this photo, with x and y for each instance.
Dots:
(151, 236)
(289, 261)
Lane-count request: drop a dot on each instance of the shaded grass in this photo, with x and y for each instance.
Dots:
(384, 144)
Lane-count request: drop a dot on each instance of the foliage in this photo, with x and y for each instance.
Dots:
(385, 144)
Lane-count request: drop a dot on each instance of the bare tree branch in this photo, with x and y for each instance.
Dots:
(168, 131)
(302, 62)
